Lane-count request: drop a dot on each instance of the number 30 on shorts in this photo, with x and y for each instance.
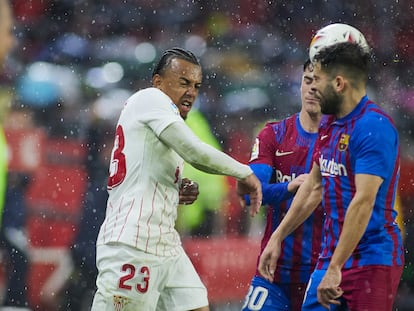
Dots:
(256, 298)
(143, 274)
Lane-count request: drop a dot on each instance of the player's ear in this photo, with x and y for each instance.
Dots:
(156, 80)
(339, 84)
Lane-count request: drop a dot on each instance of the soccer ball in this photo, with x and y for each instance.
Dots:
(336, 33)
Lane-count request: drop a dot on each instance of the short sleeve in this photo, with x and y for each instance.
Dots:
(375, 140)
(263, 150)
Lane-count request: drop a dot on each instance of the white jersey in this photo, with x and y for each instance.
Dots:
(144, 179)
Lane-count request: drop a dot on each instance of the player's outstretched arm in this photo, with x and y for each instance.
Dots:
(307, 198)
(275, 193)
(179, 137)
(252, 187)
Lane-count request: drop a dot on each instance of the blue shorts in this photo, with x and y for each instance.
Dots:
(311, 299)
(266, 296)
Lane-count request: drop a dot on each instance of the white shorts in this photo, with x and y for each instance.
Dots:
(129, 279)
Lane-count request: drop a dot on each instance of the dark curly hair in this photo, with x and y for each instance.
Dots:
(169, 55)
(346, 57)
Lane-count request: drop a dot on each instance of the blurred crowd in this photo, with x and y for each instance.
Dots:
(76, 62)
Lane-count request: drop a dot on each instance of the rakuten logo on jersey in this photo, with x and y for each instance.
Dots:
(284, 178)
(331, 168)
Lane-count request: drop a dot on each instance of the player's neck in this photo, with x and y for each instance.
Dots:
(351, 100)
(309, 121)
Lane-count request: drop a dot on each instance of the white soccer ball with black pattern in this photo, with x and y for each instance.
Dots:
(336, 33)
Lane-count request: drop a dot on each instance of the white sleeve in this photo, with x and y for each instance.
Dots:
(179, 137)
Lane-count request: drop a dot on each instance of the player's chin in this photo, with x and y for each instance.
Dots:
(183, 114)
(312, 107)
(184, 110)
(313, 101)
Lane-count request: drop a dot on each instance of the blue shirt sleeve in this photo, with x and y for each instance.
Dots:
(377, 147)
(273, 194)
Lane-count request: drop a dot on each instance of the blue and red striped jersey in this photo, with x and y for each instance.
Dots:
(283, 150)
(363, 142)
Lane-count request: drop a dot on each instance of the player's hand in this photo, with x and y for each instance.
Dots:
(268, 259)
(294, 185)
(329, 290)
(251, 186)
(188, 191)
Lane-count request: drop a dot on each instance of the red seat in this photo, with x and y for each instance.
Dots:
(54, 200)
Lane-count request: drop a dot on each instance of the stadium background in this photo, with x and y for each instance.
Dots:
(77, 61)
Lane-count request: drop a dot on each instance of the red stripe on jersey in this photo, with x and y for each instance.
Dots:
(152, 212)
(126, 218)
(116, 218)
(160, 225)
(352, 187)
(278, 274)
(170, 228)
(297, 253)
(390, 196)
(318, 219)
(139, 218)
(381, 112)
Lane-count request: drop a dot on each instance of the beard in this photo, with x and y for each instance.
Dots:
(330, 101)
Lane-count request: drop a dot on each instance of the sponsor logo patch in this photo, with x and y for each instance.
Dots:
(331, 168)
(282, 153)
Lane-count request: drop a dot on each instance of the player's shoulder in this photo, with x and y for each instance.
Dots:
(375, 116)
(149, 99)
(278, 125)
(270, 128)
(374, 124)
(148, 104)
(149, 94)
(375, 111)
(277, 130)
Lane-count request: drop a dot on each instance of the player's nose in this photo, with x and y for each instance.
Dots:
(192, 91)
